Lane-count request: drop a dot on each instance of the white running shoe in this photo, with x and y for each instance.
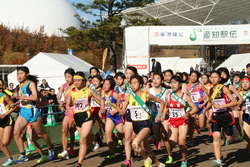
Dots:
(63, 155)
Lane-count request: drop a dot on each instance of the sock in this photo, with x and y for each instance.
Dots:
(27, 150)
(11, 158)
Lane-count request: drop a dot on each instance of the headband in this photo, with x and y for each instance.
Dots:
(78, 77)
(245, 79)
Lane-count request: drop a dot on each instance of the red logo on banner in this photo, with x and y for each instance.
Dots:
(140, 66)
(245, 32)
(156, 34)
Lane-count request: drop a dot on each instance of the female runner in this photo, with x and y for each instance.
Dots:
(27, 94)
(225, 80)
(6, 124)
(113, 120)
(79, 97)
(140, 116)
(68, 120)
(159, 91)
(221, 100)
(177, 101)
(245, 93)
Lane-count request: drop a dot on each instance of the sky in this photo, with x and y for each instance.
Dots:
(88, 16)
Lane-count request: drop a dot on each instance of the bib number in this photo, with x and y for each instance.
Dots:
(2, 108)
(247, 108)
(219, 102)
(176, 113)
(195, 97)
(81, 105)
(138, 114)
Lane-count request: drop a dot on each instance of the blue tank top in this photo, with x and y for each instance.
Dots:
(26, 92)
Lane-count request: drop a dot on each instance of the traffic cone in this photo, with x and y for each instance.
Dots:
(30, 145)
(50, 121)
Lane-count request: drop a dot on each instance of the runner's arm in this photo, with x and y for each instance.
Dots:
(236, 92)
(69, 102)
(191, 104)
(59, 96)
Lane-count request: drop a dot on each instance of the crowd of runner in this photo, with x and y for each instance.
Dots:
(130, 110)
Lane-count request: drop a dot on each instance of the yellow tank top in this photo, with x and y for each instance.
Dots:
(136, 111)
(4, 107)
(81, 100)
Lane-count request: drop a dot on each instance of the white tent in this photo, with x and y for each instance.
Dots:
(184, 64)
(236, 61)
(51, 66)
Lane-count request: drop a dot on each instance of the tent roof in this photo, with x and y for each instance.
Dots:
(51, 66)
(236, 61)
(183, 65)
(193, 12)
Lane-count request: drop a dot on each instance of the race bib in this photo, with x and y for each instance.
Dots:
(176, 112)
(247, 108)
(94, 103)
(81, 105)
(234, 96)
(219, 102)
(138, 114)
(195, 96)
(2, 108)
(155, 107)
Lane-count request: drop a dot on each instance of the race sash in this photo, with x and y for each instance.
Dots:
(227, 83)
(237, 85)
(109, 102)
(178, 98)
(192, 88)
(217, 89)
(163, 90)
(138, 99)
(246, 95)
(91, 86)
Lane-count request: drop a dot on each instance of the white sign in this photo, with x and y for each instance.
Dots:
(138, 39)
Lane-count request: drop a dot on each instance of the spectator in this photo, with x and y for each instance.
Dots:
(54, 102)
(201, 69)
(44, 84)
(248, 69)
(11, 87)
(197, 67)
(156, 66)
(231, 72)
(191, 69)
(243, 73)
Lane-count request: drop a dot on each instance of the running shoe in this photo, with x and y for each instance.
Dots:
(148, 162)
(63, 155)
(169, 160)
(136, 159)
(161, 165)
(226, 143)
(157, 143)
(77, 165)
(120, 142)
(9, 162)
(210, 134)
(190, 144)
(22, 158)
(99, 139)
(126, 163)
(111, 156)
(95, 145)
(27, 152)
(51, 153)
(241, 138)
(217, 163)
(183, 163)
(43, 159)
(71, 152)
